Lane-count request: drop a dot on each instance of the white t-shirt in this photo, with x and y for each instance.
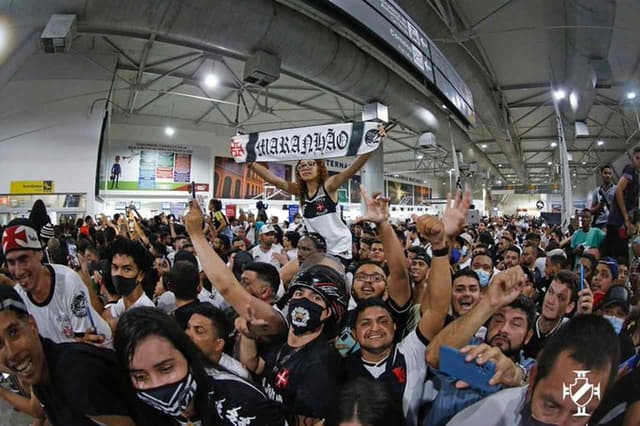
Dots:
(119, 308)
(67, 309)
(166, 302)
(260, 256)
(214, 298)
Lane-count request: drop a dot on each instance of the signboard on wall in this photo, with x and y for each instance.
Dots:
(32, 187)
(150, 166)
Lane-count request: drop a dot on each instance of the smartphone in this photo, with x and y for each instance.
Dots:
(78, 334)
(73, 254)
(193, 190)
(453, 363)
(132, 225)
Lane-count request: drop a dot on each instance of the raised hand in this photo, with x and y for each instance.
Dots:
(505, 287)
(431, 228)
(454, 216)
(585, 300)
(194, 219)
(377, 207)
(507, 372)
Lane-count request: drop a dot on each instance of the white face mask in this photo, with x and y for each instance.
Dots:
(616, 322)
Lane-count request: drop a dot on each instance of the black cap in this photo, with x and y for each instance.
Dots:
(616, 295)
(10, 299)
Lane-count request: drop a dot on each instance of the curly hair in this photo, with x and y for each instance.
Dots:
(323, 174)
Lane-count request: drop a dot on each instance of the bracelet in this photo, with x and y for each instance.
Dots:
(440, 252)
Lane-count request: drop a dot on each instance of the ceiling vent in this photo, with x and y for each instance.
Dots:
(262, 68)
(58, 34)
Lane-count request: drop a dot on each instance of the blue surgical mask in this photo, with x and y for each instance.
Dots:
(483, 276)
(616, 322)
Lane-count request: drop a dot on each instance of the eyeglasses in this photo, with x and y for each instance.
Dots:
(306, 165)
(375, 278)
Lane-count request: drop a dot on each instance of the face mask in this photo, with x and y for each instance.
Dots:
(304, 316)
(124, 286)
(616, 322)
(455, 255)
(483, 276)
(464, 251)
(172, 399)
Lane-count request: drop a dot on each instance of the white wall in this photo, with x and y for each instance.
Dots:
(46, 129)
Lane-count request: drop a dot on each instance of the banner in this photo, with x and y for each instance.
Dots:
(329, 141)
(32, 187)
(294, 209)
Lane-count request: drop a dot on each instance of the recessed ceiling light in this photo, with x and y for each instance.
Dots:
(396, 175)
(631, 95)
(443, 183)
(499, 182)
(499, 165)
(483, 146)
(169, 131)
(600, 143)
(211, 80)
(554, 144)
(444, 106)
(420, 156)
(584, 162)
(549, 163)
(559, 94)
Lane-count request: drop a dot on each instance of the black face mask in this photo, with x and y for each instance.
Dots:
(304, 316)
(527, 417)
(124, 286)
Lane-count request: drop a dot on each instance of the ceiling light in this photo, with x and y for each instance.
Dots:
(559, 94)
(396, 175)
(211, 80)
(600, 143)
(498, 182)
(631, 95)
(554, 144)
(574, 187)
(573, 100)
(420, 156)
(424, 181)
(443, 183)
(483, 146)
(444, 106)
(584, 162)
(549, 163)
(499, 165)
(169, 131)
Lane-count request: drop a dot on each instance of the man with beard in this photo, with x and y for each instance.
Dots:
(511, 257)
(418, 272)
(561, 298)
(510, 318)
(542, 402)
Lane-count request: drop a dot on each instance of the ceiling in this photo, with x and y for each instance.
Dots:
(521, 48)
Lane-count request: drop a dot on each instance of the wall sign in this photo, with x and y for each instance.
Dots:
(540, 204)
(32, 187)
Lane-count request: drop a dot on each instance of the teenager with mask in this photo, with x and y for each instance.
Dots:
(169, 373)
(130, 262)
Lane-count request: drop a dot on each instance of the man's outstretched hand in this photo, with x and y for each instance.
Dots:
(194, 219)
(377, 207)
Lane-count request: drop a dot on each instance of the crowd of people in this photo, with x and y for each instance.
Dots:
(208, 320)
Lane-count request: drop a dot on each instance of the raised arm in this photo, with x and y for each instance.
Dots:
(436, 300)
(503, 289)
(264, 173)
(398, 281)
(222, 277)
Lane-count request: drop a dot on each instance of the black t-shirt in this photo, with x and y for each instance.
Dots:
(616, 402)
(183, 313)
(306, 380)
(234, 401)
(83, 382)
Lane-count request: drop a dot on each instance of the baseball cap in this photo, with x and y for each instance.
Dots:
(266, 229)
(612, 264)
(21, 236)
(467, 238)
(616, 295)
(10, 299)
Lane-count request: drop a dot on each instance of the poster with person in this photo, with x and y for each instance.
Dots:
(400, 193)
(155, 167)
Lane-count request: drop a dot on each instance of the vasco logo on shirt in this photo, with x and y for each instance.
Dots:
(320, 207)
(79, 305)
(300, 316)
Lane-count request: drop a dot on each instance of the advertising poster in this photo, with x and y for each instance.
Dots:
(421, 194)
(164, 171)
(182, 170)
(234, 180)
(354, 189)
(400, 193)
(149, 167)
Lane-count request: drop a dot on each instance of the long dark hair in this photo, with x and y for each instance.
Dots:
(137, 324)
